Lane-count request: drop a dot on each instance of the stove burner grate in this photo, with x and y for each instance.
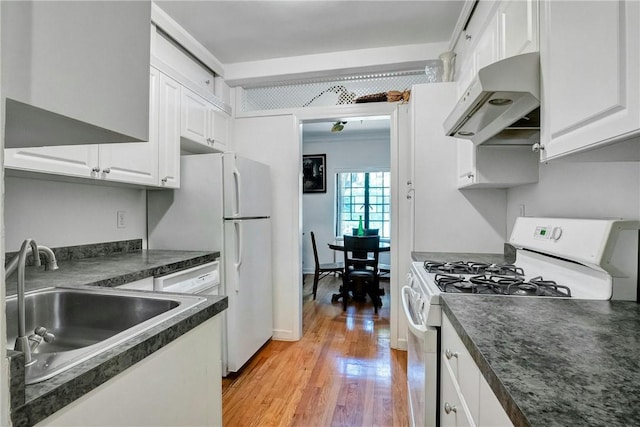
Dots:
(469, 267)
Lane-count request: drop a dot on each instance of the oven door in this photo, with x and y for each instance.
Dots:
(422, 366)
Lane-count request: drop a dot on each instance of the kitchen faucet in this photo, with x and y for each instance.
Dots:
(19, 262)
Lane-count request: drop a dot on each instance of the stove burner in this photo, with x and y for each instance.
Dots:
(485, 278)
(458, 267)
(464, 267)
(523, 289)
(444, 280)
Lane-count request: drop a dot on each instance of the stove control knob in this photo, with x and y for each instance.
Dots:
(449, 409)
(556, 233)
(450, 354)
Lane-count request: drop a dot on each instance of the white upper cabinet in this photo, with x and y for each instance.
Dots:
(73, 160)
(495, 166)
(169, 132)
(204, 127)
(135, 163)
(496, 30)
(194, 122)
(590, 60)
(153, 163)
(519, 29)
(75, 72)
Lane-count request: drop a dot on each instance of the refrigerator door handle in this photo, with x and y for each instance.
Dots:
(237, 181)
(238, 263)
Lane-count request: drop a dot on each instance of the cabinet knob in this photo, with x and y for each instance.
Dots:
(469, 175)
(467, 36)
(95, 169)
(537, 147)
(107, 170)
(448, 408)
(207, 81)
(450, 354)
(165, 179)
(409, 197)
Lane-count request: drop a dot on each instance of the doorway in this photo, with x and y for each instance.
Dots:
(356, 155)
(362, 147)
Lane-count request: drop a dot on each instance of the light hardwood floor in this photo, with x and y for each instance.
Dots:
(341, 373)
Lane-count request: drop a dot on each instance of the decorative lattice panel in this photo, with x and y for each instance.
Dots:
(326, 93)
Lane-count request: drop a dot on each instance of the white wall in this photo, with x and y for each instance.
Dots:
(274, 140)
(446, 219)
(579, 190)
(58, 214)
(343, 154)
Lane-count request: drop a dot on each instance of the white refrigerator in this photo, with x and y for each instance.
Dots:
(224, 204)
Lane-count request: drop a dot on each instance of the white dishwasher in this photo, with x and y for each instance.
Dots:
(201, 280)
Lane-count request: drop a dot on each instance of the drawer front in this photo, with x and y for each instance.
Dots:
(453, 408)
(464, 370)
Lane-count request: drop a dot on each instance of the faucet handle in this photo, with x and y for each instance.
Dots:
(42, 331)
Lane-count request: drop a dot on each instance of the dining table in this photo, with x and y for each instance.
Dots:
(338, 245)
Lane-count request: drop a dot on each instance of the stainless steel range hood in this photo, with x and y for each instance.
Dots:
(501, 106)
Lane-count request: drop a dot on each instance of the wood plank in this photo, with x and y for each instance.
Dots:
(341, 373)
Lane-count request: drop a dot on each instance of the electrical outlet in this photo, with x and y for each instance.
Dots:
(121, 219)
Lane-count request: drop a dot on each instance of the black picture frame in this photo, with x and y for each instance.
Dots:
(314, 178)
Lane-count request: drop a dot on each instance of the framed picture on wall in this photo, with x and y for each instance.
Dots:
(314, 179)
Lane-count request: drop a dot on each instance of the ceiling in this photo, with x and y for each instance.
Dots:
(320, 131)
(239, 31)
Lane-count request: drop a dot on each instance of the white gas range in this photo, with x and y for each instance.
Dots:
(555, 258)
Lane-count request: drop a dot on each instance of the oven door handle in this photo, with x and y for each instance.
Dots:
(415, 328)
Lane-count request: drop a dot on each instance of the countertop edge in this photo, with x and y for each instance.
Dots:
(512, 409)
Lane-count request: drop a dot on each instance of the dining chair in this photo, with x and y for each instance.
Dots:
(367, 232)
(361, 274)
(322, 270)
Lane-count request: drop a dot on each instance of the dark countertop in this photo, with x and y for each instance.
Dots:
(112, 270)
(45, 398)
(554, 362)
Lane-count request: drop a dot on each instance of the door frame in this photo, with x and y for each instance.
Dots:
(346, 113)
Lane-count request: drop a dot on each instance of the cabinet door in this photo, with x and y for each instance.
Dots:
(453, 409)
(518, 27)
(219, 128)
(169, 132)
(466, 163)
(486, 49)
(85, 61)
(464, 370)
(76, 160)
(137, 162)
(589, 55)
(195, 111)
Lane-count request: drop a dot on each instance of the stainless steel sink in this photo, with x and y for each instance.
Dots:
(86, 322)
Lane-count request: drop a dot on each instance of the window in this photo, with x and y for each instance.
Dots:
(365, 194)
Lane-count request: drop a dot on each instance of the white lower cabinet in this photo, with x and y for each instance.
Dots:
(491, 413)
(495, 166)
(466, 399)
(178, 385)
(145, 284)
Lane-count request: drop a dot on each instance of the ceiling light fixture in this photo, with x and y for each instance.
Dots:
(338, 126)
